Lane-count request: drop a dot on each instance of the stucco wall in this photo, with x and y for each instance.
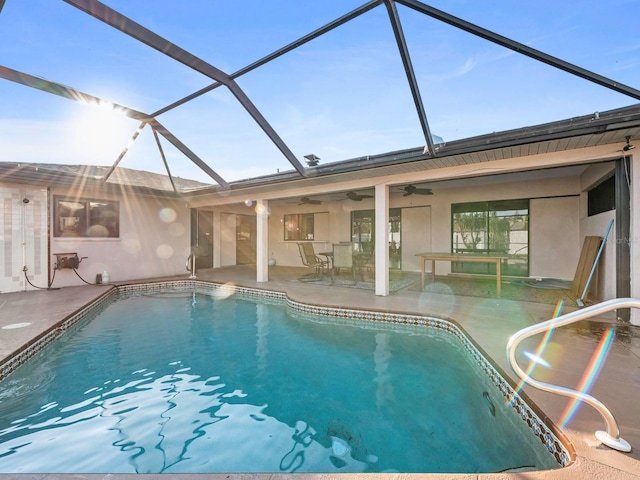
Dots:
(554, 235)
(154, 241)
(416, 235)
(227, 239)
(554, 222)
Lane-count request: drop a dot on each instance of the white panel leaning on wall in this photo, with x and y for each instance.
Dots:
(23, 238)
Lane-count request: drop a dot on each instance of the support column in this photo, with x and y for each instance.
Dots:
(634, 237)
(623, 233)
(382, 239)
(262, 243)
(217, 240)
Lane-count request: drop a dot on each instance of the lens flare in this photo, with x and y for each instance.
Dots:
(589, 376)
(164, 251)
(131, 244)
(225, 291)
(167, 215)
(260, 210)
(536, 358)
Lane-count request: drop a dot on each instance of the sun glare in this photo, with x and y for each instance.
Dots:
(100, 132)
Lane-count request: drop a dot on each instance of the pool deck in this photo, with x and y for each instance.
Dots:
(488, 321)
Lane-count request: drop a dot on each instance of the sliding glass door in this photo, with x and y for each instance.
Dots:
(492, 228)
(363, 238)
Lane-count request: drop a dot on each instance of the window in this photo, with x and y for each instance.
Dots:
(299, 226)
(86, 218)
(496, 227)
(602, 197)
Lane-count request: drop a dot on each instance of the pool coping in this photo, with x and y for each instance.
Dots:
(556, 442)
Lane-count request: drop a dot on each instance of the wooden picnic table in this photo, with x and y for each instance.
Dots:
(461, 257)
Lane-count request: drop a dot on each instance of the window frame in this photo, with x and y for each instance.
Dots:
(85, 224)
(601, 198)
(489, 237)
(292, 231)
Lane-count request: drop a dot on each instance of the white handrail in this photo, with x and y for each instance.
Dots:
(191, 265)
(611, 437)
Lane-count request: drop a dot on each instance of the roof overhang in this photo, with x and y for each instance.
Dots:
(606, 129)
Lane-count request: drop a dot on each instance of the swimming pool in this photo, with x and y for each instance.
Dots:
(219, 383)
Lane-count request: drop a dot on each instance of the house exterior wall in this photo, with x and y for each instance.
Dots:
(154, 240)
(328, 220)
(227, 239)
(554, 237)
(416, 235)
(154, 231)
(554, 223)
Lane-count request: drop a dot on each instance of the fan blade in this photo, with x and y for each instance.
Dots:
(354, 196)
(309, 201)
(411, 189)
(357, 197)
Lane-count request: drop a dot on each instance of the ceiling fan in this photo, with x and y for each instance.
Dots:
(357, 197)
(411, 189)
(309, 201)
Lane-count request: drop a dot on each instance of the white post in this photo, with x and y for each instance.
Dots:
(382, 239)
(262, 248)
(217, 240)
(193, 266)
(634, 234)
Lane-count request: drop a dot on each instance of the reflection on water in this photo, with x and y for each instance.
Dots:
(381, 356)
(168, 423)
(262, 335)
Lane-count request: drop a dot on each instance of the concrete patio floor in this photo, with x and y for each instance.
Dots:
(488, 321)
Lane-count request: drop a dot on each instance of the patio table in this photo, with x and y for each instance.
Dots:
(461, 257)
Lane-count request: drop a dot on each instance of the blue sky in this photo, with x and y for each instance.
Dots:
(341, 96)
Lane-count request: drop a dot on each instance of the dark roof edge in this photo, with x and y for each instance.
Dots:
(47, 175)
(597, 122)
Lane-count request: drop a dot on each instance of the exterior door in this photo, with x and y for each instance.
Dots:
(363, 226)
(245, 240)
(202, 237)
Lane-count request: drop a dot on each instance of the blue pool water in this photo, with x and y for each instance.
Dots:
(195, 383)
